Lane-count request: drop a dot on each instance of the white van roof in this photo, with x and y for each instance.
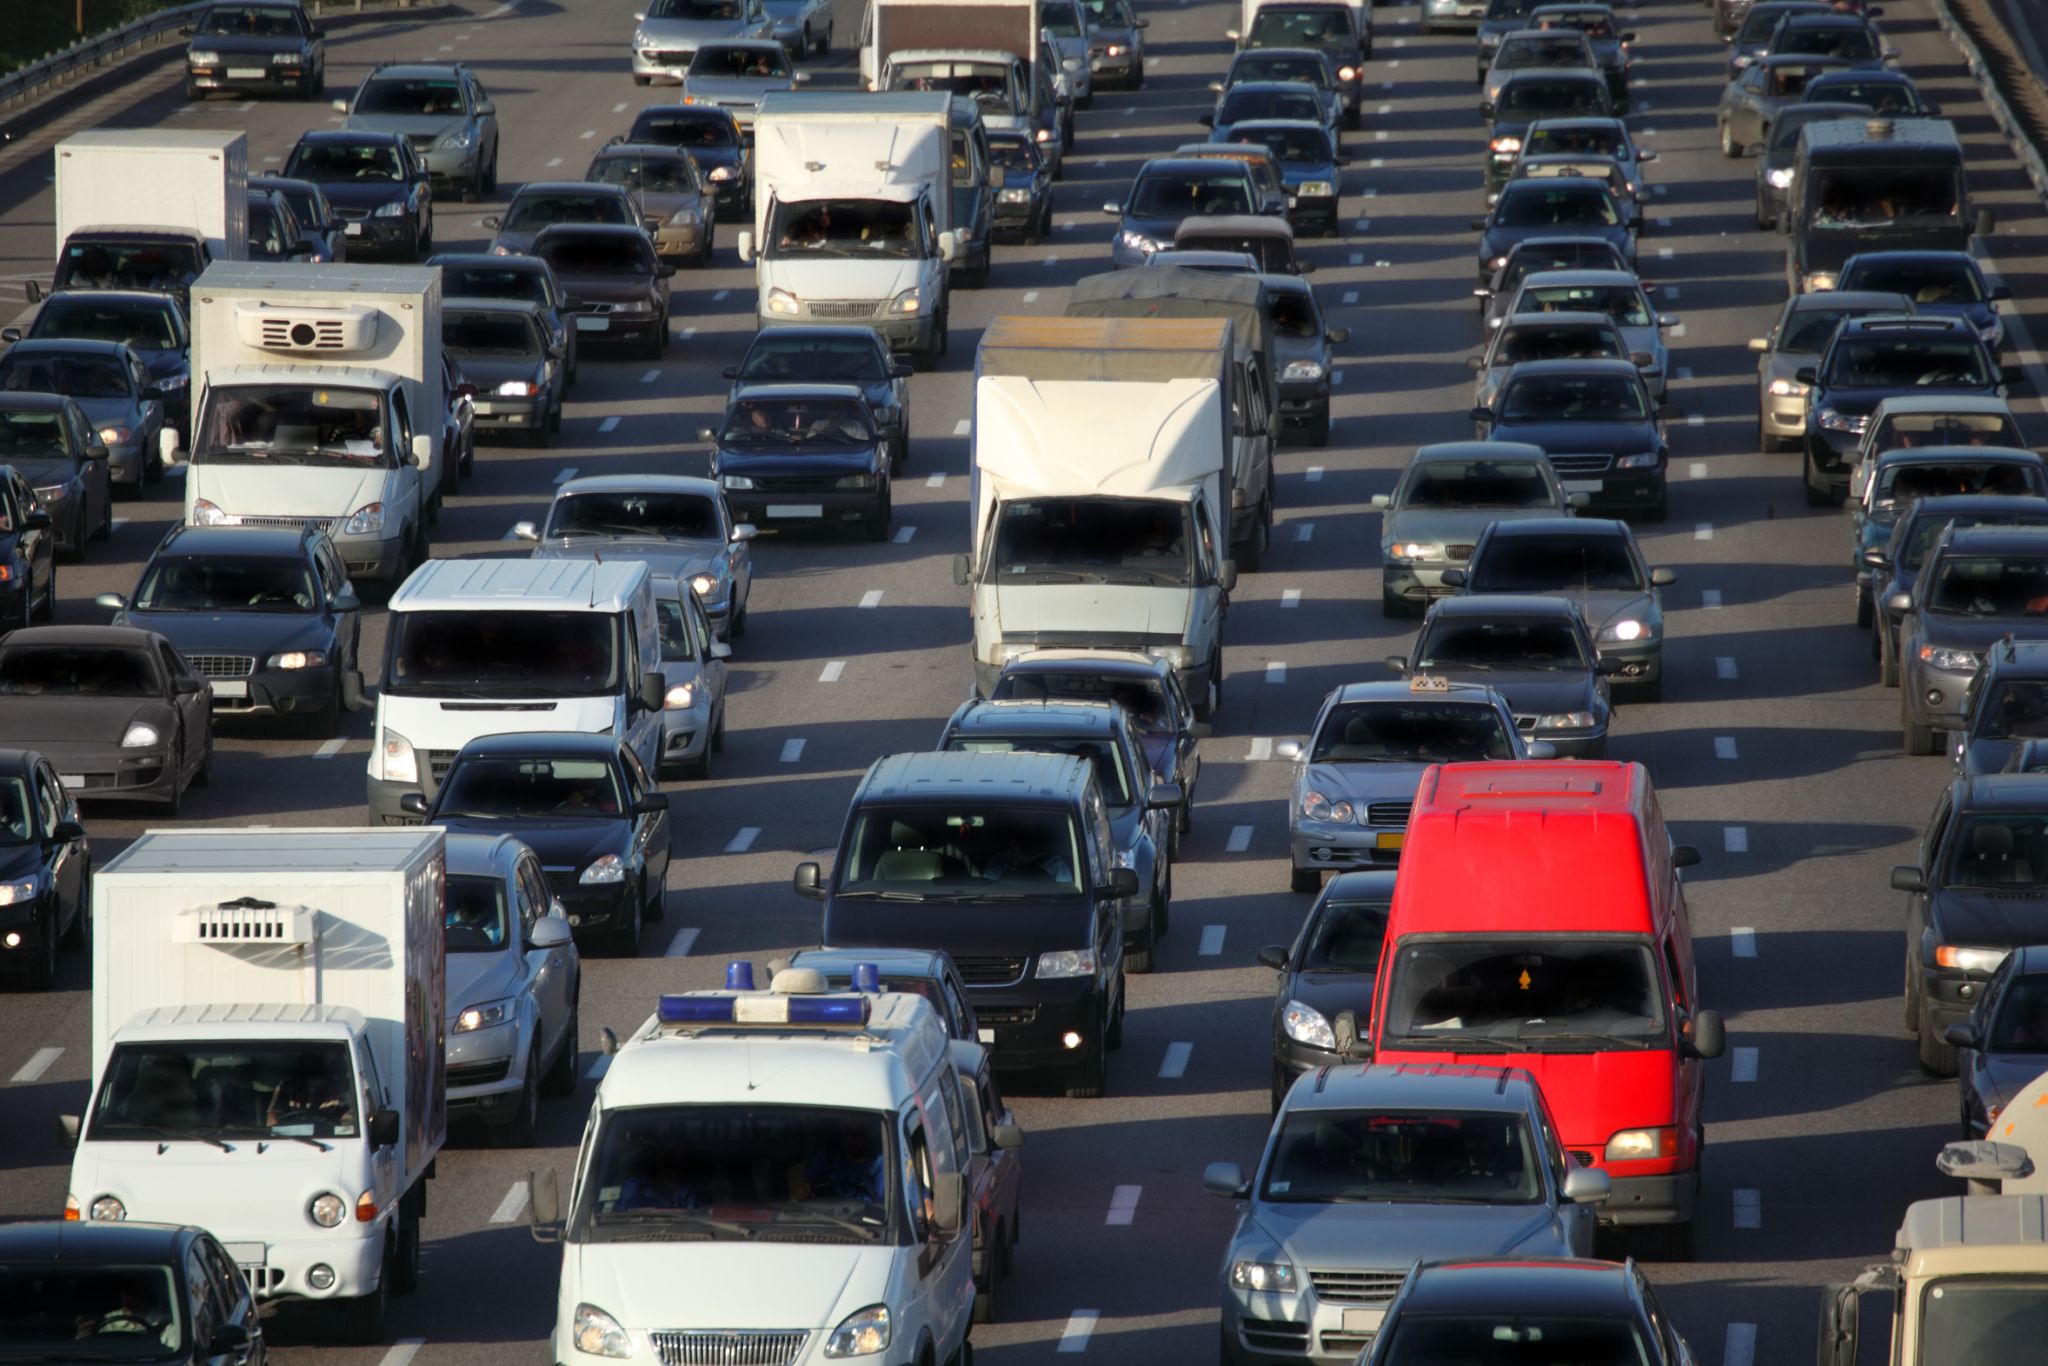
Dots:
(1073, 437)
(521, 586)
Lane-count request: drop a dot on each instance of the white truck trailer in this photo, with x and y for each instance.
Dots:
(268, 1052)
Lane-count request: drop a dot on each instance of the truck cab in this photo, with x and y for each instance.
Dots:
(1881, 184)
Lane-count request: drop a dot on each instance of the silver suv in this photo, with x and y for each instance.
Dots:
(442, 110)
(667, 34)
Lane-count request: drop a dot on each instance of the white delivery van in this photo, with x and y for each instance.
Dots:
(853, 214)
(488, 647)
(318, 399)
(770, 1178)
(267, 1049)
(1099, 494)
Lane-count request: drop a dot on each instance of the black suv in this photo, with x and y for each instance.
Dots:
(1980, 584)
(106, 1289)
(2006, 704)
(1979, 891)
(266, 615)
(1462, 1311)
(1004, 861)
(1878, 357)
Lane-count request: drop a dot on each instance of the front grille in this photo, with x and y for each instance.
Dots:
(844, 308)
(1580, 1157)
(264, 1280)
(576, 305)
(1355, 1287)
(421, 142)
(654, 224)
(1137, 641)
(1014, 1017)
(356, 214)
(1388, 813)
(712, 1347)
(561, 881)
(1345, 1344)
(438, 761)
(286, 523)
(1458, 552)
(670, 57)
(795, 483)
(222, 666)
(479, 1073)
(1580, 464)
(991, 972)
(1274, 1335)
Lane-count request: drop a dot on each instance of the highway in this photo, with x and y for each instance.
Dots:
(1777, 753)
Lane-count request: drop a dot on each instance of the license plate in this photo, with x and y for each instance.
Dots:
(796, 510)
(987, 1036)
(224, 688)
(1582, 486)
(1364, 1320)
(1393, 841)
(72, 779)
(352, 230)
(586, 324)
(246, 73)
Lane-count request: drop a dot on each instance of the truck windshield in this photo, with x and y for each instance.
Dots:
(1482, 1339)
(275, 424)
(1411, 733)
(1982, 1320)
(53, 1311)
(987, 85)
(961, 853)
(241, 1088)
(1094, 540)
(813, 228)
(1437, 1158)
(1525, 995)
(503, 654)
(159, 266)
(1847, 199)
(739, 1173)
(145, 326)
(214, 583)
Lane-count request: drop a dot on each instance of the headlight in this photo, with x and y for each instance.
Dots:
(518, 388)
(1820, 280)
(1644, 460)
(963, 234)
(1853, 423)
(640, 39)
(1276, 1277)
(735, 481)
(1014, 196)
(1983, 961)
(1497, 262)
(1639, 1145)
(116, 436)
(459, 137)
(1043, 135)
(206, 513)
(683, 217)
(1347, 73)
(484, 1016)
(598, 1334)
(782, 301)
(1067, 963)
(169, 382)
(1414, 550)
(1302, 369)
(1941, 657)
(200, 57)
(327, 1210)
(1137, 241)
(1305, 1024)
(139, 736)
(1506, 144)
(1780, 179)
(1316, 807)
(1565, 720)
(861, 1333)
(1789, 388)
(1316, 189)
(608, 869)
(854, 481)
(1113, 50)
(906, 302)
(53, 493)
(1631, 629)
(367, 520)
(398, 764)
(1174, 656)
(14, 893)
(681, 697)
(108, 1210)
(702, 585)
(722, 173)
(296, 659)
(394, 209)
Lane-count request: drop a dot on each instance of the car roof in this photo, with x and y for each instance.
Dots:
(16, 761)
(745, 44)
(1829, 20)
(1998, 540)
(540, 187)
(584, 744)
(34, 346)
(1920, 324)
(109, 637)
(819, 331)
(1432, 1086)
(1305, 125)
(1504, 605)
(2010, 653)
(1580, 277)
(1943, 403)
(1567, 319)
(1401, 690)
(1521, 1285)
(28, 401)
(282, 542)
(1023, 716)
(94, 1242)
(1296, 52)
(1120, 662)
(415, 70)
(1230, 151)
(846, 391)
(2002, 792)
(1946, 506)
(119, 296)
(1288, 284)
(1360, 882)
(945, 775)
(1590, 366)
(481, 855)
(639, 483)
(1575, 75)
(1269, 86)
(1560, 526)
(1879, 75)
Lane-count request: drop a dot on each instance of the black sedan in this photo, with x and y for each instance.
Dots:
(1537, 652)
(1309, 167)
(45, 869)
(51, 445)
(266, 615)
(712, 138)
(1024, 204)
(583, 803)
(256, 48)
(1894, 570)
(614, 286)
(481, 275)
(513, 366)
(1327, 970)
(115, 709)
(28, 555)
(378, 185)
(320, 226)
(833, 355)
(2003, 1045)
(803, 455)
(150, 324)
(1596, 421)
(1551, 207)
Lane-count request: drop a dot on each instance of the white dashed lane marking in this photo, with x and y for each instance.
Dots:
(1735, 838)
(1304, 531)
(329, 748)
(1742, 1064)
(1749, 1209)
(1239, 841)
(1175, 1064)
(1080, 1324)
(1212, 941)
(512, 1206)
(904, 534)
(962, 427)
(792, 751)
(1740, 1349)
(831, 672)
(610, 424)
(1724, 667)
(1724, 747)
(39, 1062)
(1123, 1206)
(744, 840)
(872, 598)
(1742, 942)
(680, 946)
(1260, 749)
(1276, 672)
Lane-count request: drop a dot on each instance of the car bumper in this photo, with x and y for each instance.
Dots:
(126, 463)
(1125, 257)
(66, 524)
(1832, 453)
(1934, 697)
(486, 1070)
(1785, 415)
(1666, 1199)
(1293, 1060)
(678, 239)
(1285, 1330)
(24, 927)
(380, 558)
(1318, 212)
(1012, 217)
(667, 68)
(1029, 1019)
(357, 1264)
(595, 908)
(685, 734)
(448, 164)
(382, 797)
(731, 196)
(1328, 847)
(806, 509)
(511, 414)
(1950, 998)
(259, 76)
(903, 334)
(378, 234)
(1414, 582)
(271, 692)
(620, 322)
(1573, 744)
(1624, 491)
(1446, 13)
(104, 772)
(1641, 662)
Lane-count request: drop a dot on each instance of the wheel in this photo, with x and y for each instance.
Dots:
(1937, 1055)
(192, 90)
(698, 769)
(42, 973)
(561, 1076)
(650, 346)
(490, 181)
(519, 1131)
(1138, 956)
(1887, 658)
(473, 189)
(804, 47)
(1666, 1242)
(1162, 909)
(49, 608)
(626, 939)
(324, 722)
(1212, 697)
(1728, 148)
(825, 43)
(362, 1318)
(643, 80)
(1915, 738)
(1764, 219)
(877, 526)
(1113, 1037)
(79, 536)
(79, 936)
(1866, 610)
(1089, 1078)
(657, 905)
(468, 463)
(1652, 691)
(985, 1288)
(1305, 880)
(1254, 553)
(1394, 606)
(175, 806)
(718, 733)
(736, 630)
(1319, 430)
(405, 1265)
(1912, 991)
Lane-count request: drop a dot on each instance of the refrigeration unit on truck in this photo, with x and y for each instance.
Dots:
(267, 1053)
(1099, 494)
(318, 399)
(852, 214)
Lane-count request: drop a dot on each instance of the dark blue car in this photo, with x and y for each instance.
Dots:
(803, 455)
(1940, 283)
(1306, 154)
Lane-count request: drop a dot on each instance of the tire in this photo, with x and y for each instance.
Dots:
(825, 43)
(1917, 739)
(656, 338)
(1652, 691)
(626, 940)
(698, 770)
(1866, 610)
(1254, 554)
(520, 1131)
(643, 80)
(468, 464)
(192, 91)
(561, 1074)
(1937, 1055)
(1728, 147)
(1113, 1036)
(1138, 957)
(48, 611)
(985, 1289)
(1162, 909)
(323, 723)
(1211, 701)
(362, 1318)
(1912, 991)
(1308, 880)
(473, 190)
(42, 973)
(490, 180)
(656, 906)
(1319, 430)
(1887, 658)
(1667, 1242)
(79, 936)
(804, 47)
(876, 527)
(175, 806)
(405, 1265)
(1396, 608)
(106, 527)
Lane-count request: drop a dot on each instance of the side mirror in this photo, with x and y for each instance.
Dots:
(1481, 414)
(744, 244)
(653, 691)
(1667, 320)
(1476, 364)
(729, 372)
(383, 1128)
(525, 531)
(549, 932)
(1587, 1186)
(1382, 501)
(2012, 374)
(1207, 120)
(63, 831)
(413, 803)
(37, 519)
(167, 448)
(1645, 154)
(1337, 336)
(1962, 1034)
(1578, 502)
(652, 804)
(1123, 883)
(68, 1126)
(744, 531)
(1899, 602)
(1987, 222)
(1876, 559)
(1807, 374)
(720, 650)
(1607, 668)
(1709, 1037)
(1165, 797)
(423, 449)
(1455, 578)
(1668, 412)
(949, 1200)
(1274, 956)
(1760, 345)
(809, 882)
(898, 370)
(1216, 87)
(1223, 1178)
(1541, 749)
(1226, 575)
(229, 1337)
(346, 601)
(1663, 578)
(1289, 751)
(949, 246)
(1234, 35)
(10, 334)
(111, 601)
(341, 106)
(1628, 37)
(486, 109)
(492, 222)
(1397, 663)
(664, 271)
(96, 449)
(1907, 877)
(187, 687)
(1999, 293)
(544, 1205)
(1684, 856)
(1112, 209)
(1142, 23)
(961, 569)
(706, 434)
(1008, 1137)
(1479, 225)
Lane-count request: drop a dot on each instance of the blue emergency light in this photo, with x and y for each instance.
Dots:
(763, 1009)
(867, 978)
(739, 975)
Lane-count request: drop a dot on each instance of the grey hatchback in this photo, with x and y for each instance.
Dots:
(442, 110)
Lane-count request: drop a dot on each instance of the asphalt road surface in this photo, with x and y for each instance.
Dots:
(1777, 753)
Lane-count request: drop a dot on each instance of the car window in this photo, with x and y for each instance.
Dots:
(1346, 937)
(226, 1276)
(638, 784)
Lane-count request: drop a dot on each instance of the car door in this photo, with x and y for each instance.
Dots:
(1577, 1221)
(204, 1303)
(711, 668)
(485, 115)
(65, 860)
(335, 584)
(1187, 759)
(738, 555)
(547, 970)
(959, 1011)
(1745, 116)
(409, 480)
(194, 708)
(1006, 1167)
(149, 411)
(650, 828)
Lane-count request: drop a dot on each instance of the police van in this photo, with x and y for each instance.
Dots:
(769, 1178)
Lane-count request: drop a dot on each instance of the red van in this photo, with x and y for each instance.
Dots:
(1539, 922)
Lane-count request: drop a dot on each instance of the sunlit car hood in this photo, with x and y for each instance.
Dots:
(1394, 1236)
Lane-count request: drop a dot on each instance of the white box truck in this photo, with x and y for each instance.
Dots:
(852, 214)
(268, 1052)
(1099, 494)
(318, 398)
(892, 26)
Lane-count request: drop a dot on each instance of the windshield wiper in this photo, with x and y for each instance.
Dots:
(1570, 1036)
(1460, 1043)
(886, 896)
(804, 1214)
(306, 1139)
(675, 1216)
(189, 1135)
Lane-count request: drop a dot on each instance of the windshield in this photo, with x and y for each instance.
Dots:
(1809, 329)
(830, 228)
(1623, 303)
(76, 671)
(17, 826)
(1926, 530)
(409, 98)
(304, 200)
(1850, 44)
(1321, 1156)
(1242, 105)
(1477, 1338)
(1094, 540)
(1553, 206)
(1176, 196)
(717, 61)
(1896, 196)
(1530, 993)
(144, 325)
(1476, 483)
(75, 376)
(217, 584)
(684, 130)
(1903, 430)
(474, 918)
(1255, 67)
(694, 9)
(1106, 757)
(329, 162)
(1990, 586)
(488, 334)
(1595, 398)
(1510, 644)
(718, 1173)
(1535, 341)
(251, 21)
(1926, 281)
(962, 852)
(1109, 13)
(1593, 141)
(579, 255)
(509, 787)
(1982, 1320)
(28, 435)
(1145, 700)
(1875, 361)
(1410, 733)
(988, 85)
(664, 516)
(484, 654)
(1758, 28)
(1293, 315)
(2001, 849)
(244, 1089)
(779, 358)
(1014, 154)
(482, 282)
(1518, 53)
(652, 175)
(1302, 145)
(1273, 26)
(277, 425)
(1881, 97)
(1594, 23)
(1061, 21)
(1555, 565)
(1527, 99)
(59, 1311)
(1903, 481)
(2021, 1022)
(2017, 710)
(796, 421)
(679, 639)
(532, 212)
(1346, 937)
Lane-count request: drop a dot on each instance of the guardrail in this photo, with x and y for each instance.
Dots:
(2016, 130)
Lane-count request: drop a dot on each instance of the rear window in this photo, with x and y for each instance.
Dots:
(596, 256)
(488, 334)
(684, 130)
